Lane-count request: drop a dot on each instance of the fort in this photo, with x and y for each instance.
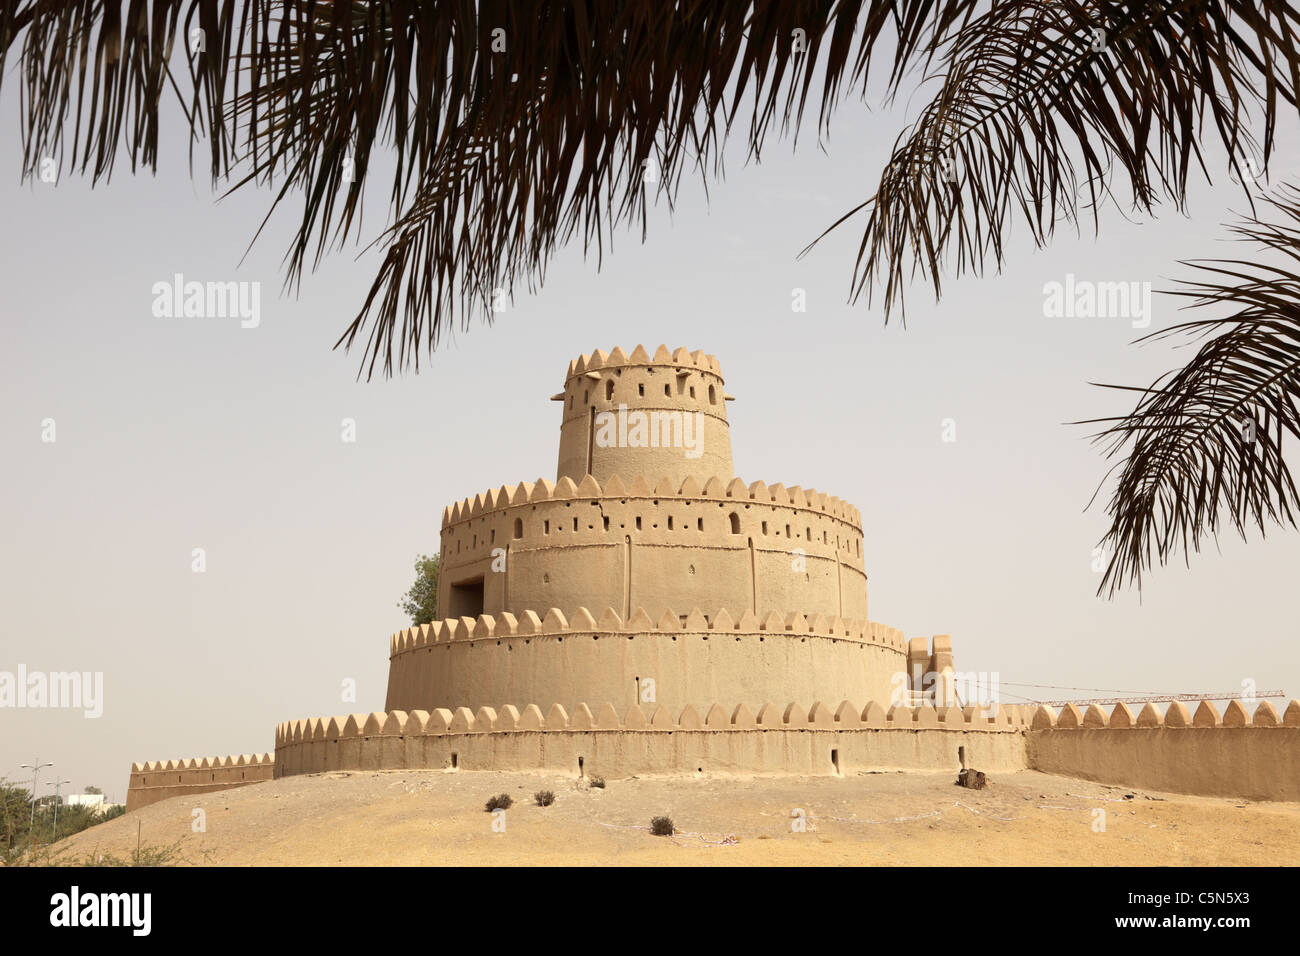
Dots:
(648, 612)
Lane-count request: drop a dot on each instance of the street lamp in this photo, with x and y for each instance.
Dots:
(35, 768)
(54, 830)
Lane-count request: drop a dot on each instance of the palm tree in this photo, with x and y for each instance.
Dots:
(519, 127)
(1205, 441)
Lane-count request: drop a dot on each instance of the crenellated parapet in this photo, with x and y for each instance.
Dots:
(677, 659)
(1236, 753)
(493, 627)
(797, 738)
(668, 543)
(159, 779)
(593, 717)
(638, 487)
(1177, 716)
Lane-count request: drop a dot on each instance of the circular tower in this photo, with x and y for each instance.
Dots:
(625, 568)
(635, 415)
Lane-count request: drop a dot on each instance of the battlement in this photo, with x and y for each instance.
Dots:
(1177, 715)
(160, 779)
(604, 740)
(206, 763)
(1233, 754)
(715, 488)
(605, 716)
(681, 658)
(749, 546)
(488, 627)
(616, 358)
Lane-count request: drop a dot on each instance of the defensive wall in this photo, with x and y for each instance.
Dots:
(754, 547)
(158, 780)
(679, 660)
(788, 739)
(1255, 757)
(1237, 755)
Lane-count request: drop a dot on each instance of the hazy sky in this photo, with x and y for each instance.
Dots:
(175, 434)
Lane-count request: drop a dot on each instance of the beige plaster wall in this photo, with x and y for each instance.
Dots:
(790, 740)
(158, 780)
(1236, 755)
(679, 384)
(747, 547)
(674, 662)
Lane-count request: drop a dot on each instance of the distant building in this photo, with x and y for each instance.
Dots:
(97, 801)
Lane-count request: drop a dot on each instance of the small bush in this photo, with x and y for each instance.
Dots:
(597, 782)
(502, 801)
(544, 798)
(662, 826)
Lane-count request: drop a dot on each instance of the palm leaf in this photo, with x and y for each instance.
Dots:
(1040, 101)
(1203, 447)
(502, 155)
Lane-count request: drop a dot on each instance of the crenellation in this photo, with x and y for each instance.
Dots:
(1291, 717)
(1121, 718)
(1265, 715)
(819, 715)
(557, 718)
(689, 719)
(1177, 715)
(1234, 715)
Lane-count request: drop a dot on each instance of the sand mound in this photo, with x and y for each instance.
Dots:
(424, 817)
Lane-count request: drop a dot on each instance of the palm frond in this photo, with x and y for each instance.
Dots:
(1203, 446)
(1040, 100)
(516, 126)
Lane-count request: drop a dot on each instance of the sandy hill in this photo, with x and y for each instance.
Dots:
(437, 817)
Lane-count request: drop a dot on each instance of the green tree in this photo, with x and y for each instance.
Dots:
(15, 815)
(420, 603)
(93, 790)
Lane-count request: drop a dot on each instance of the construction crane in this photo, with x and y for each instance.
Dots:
(1162, 698)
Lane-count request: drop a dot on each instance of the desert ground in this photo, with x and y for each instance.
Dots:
(432, 818)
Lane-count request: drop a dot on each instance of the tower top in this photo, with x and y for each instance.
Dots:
(617, 358)
(637, 414)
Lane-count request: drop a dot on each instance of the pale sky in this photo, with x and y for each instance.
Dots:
(175, 434)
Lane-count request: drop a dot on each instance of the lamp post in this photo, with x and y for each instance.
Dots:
(54, 830)
(35, 768)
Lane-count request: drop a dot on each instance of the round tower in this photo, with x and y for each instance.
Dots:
(635, 415)
(620, 574)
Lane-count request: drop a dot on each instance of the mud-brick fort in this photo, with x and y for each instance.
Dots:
(650, 612)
